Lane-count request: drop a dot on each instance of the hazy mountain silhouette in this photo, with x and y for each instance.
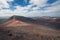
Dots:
(28, 20)
(22, 18)
(41, 21)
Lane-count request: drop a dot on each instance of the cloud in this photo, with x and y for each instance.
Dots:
(4, 4)
(35, 8)
(48, 9)
(54, 8)
(38, 2)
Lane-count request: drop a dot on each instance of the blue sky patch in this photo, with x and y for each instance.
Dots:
(20, 2)
(51, 1)
(34, 6)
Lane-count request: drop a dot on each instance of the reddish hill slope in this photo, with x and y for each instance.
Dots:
(13, 21)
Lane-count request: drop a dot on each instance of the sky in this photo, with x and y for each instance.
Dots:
(30, 8)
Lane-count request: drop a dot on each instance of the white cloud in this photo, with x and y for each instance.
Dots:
(4, 4)
(54, 8)
(38, 2)
(23, 11)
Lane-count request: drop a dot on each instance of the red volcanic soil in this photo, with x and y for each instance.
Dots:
(15, 23)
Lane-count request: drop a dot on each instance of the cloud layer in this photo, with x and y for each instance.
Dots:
(31, 8)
